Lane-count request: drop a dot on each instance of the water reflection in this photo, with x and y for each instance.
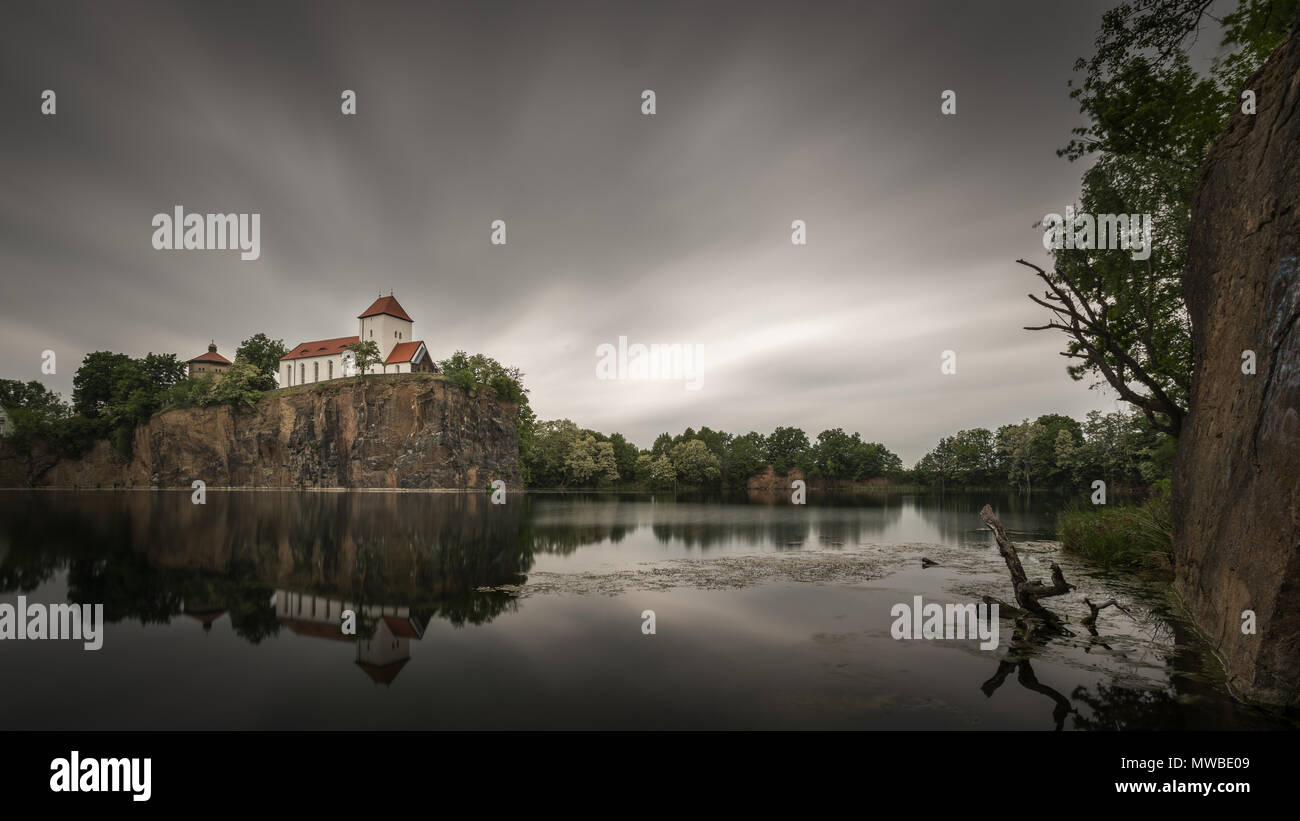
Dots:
(285, 567)
(382, 634)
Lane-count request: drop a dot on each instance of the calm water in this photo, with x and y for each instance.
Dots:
(529, 615)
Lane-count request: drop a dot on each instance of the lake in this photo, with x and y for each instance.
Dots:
(227, 615)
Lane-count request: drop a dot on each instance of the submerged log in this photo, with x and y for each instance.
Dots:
(1027, 592)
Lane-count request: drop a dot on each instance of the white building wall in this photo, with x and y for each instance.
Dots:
(383, 648)
(386, 331)
(304, 371)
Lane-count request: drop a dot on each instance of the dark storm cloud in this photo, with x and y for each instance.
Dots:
(673, 228)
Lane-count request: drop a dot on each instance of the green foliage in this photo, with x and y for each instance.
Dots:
(35, 413)
(562, 456)
(263, 353)
(507, 382)
(788, 448)
(31, 396)
(365, 353)
(92, 385)
(1053, 451)
(114, 394)
(746, 456)
(190, 392)
(526, 426)
(1122, 536)
(839, 456)
(471, 371)
(694, 464)
(239, 386)
(660, 471)
(136, 390)
(589, 461)
(1151, 120)
(625, 455)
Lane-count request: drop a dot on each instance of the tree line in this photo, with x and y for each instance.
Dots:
(563, 455)
(1052, 451)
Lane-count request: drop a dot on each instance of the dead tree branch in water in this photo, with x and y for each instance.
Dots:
(1091, 619)
(1027, 592)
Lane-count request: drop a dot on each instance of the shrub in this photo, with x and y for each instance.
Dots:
(1122, 536)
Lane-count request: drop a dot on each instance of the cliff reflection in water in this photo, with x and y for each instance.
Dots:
(146, 555)
(287, 565)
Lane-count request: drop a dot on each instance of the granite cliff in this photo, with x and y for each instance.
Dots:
(1237, 476)
(404, 431)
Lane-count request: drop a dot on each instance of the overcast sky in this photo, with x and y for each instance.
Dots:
(671, 228)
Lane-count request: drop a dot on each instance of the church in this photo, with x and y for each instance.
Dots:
(385, 323)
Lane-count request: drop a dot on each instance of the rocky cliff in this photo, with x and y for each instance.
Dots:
(1237, 485)
(409, 431)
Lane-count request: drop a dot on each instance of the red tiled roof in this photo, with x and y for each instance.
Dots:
(321, 347)
(211, 356)
(384, 674)
(316, 629)
(386, 305)
(403, 352)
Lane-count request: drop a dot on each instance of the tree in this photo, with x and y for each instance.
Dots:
(34, 411)
(625, 455)
(694, 464)
(1024, 460)
(31, 395)
(662, 444)
(238, 386)
(263, 353)
(526, 426)
(939, 464)
(589, 460)
(1151, 119)
(92, 385)
(746, 456)
(553, 440)
(661, 471)
(973, 457)
(365, 355)
(787, 448)
(1047, 470)
(471, 371)
(834, 454)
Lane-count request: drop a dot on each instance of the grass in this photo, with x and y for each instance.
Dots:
(1126, 536)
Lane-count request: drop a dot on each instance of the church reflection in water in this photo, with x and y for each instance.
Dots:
(383, 638)
(284, 567)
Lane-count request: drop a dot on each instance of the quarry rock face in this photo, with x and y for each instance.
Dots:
(1237, 476)
(411, 432)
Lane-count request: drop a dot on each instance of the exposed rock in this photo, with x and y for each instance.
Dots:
(381, 432)
(1237, 477)
(769, 481)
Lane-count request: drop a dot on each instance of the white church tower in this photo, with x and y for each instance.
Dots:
(385, 324)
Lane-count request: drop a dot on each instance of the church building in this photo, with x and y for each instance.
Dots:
(210, 362)
(385, 323)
